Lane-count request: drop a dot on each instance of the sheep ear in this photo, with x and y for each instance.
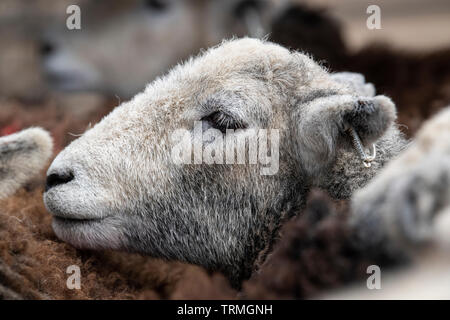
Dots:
(22, 155)
(321, 126)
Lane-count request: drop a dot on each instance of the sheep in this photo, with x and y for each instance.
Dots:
(159, 32)
(409, 192)
(118, 186)
(405, 211)
(22, 155)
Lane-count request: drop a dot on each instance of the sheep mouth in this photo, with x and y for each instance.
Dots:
(94, 234)
(75, 220)
(68, 229)
(69, 223)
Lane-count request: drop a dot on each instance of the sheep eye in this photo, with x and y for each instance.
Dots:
(222, 121)
(157, 5)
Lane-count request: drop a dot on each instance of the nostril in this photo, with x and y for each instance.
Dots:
(46, 48)
(56, 179)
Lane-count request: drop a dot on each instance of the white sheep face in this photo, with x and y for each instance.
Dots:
(118, 187)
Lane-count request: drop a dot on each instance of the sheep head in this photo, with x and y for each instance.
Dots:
(139, 181)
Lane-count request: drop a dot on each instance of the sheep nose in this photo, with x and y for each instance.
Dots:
(56, 179)
(47, 48)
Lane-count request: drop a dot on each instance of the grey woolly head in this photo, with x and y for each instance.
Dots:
(119, 187)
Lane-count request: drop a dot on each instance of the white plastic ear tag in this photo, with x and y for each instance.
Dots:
(357, 144)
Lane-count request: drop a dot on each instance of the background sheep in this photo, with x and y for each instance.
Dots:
(22, 156)
(162, 33)
(410, 203)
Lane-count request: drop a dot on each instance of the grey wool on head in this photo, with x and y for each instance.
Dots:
(125, 192)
